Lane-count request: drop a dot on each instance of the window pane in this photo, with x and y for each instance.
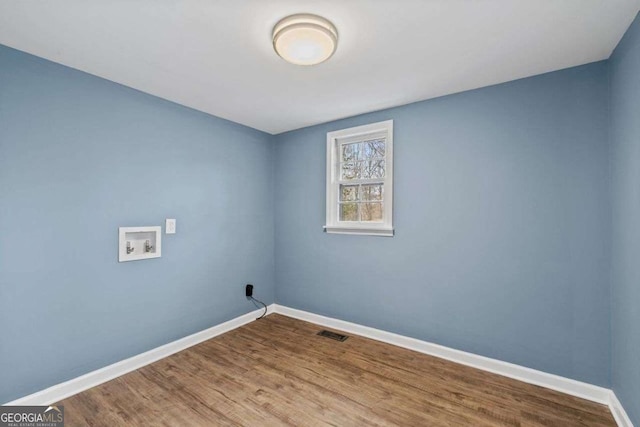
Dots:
(350, 170)
(371, 211)
(348, 193)
(351, 152)
(371, 192)
(373, 169)
(348, 212)
(374, 149)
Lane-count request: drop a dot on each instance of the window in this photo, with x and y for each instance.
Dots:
(360, 180)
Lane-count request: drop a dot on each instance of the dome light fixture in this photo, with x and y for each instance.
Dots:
(305, 39)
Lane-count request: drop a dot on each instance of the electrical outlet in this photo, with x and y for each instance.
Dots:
(170, 226)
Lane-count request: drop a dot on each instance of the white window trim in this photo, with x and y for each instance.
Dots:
(384, 228)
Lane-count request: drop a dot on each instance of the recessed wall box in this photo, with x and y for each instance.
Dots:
(136, 243)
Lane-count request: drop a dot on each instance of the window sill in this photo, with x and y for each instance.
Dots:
(377, 231)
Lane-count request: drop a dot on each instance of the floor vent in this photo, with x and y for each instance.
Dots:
(333, 335)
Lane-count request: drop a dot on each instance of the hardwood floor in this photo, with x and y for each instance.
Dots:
(277, 371)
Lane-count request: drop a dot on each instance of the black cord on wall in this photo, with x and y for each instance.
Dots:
(265, 307)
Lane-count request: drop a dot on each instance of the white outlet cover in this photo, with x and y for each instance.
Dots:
(170, 226)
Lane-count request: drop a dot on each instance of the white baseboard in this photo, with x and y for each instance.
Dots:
(76, 385)
(521, 373)
(618, 411)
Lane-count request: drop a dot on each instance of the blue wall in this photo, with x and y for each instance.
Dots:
(81, 156)
(502, 217)
(625, 138)
(502, 214)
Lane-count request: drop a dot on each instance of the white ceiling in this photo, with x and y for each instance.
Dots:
(216, 55)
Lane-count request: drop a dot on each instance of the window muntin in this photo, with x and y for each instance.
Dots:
(361, 202)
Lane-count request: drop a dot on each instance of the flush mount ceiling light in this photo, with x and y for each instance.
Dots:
(305, 39)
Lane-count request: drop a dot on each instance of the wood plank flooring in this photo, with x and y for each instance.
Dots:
(277, 371)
